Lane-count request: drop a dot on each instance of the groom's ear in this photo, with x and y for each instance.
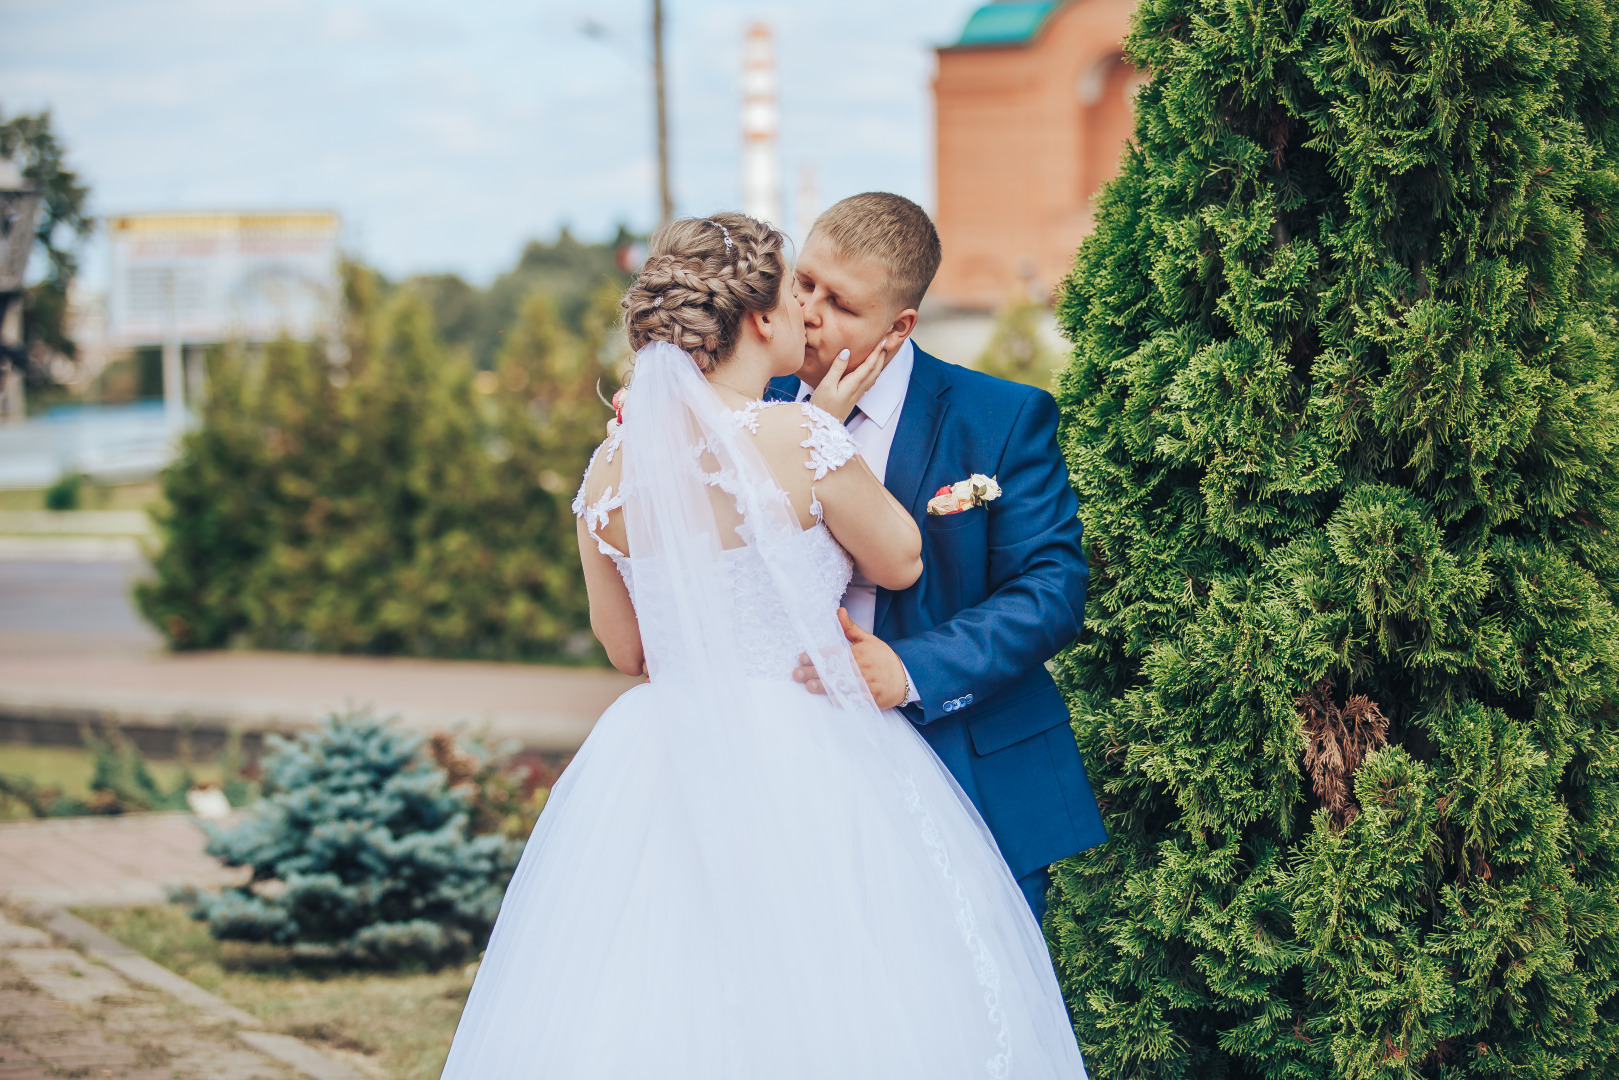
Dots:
(902, 325)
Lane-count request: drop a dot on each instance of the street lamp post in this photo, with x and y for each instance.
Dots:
(19, 209)
(666, 199)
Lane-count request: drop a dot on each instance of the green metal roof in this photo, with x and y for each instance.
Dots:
(1007, 22)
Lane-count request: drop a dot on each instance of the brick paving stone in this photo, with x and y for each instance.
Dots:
(15, 1064)
(133, 1033)
(65, 975)
(12, 936)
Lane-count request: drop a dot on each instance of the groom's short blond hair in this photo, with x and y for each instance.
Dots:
(890, 229)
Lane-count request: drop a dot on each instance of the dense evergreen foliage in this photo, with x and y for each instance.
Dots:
(397, 503)
(361, 850)
(1342, 419)
(30, 142)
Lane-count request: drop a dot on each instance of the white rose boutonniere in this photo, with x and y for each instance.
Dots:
(976, 490)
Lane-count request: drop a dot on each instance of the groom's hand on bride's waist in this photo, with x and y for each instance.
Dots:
(879, 664)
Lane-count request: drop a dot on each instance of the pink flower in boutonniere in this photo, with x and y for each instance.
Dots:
(976, 490)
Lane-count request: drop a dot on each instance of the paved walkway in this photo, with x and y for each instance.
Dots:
(72, 649)
(546, 708)
(62, 1014)
(95, 861)
(101, 1010)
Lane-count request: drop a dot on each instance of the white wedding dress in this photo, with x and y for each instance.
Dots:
(734, 879)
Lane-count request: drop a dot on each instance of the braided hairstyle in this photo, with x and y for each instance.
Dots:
(695, 288)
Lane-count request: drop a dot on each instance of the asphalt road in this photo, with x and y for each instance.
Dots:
(79, 607)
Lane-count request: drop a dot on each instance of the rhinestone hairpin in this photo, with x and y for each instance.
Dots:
(727, 232)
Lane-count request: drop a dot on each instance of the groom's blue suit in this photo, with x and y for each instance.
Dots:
(1002, 591)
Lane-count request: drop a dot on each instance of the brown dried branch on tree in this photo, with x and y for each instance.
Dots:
(1339, 739)
(459, 767)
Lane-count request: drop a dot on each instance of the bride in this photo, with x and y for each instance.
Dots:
(735, 878)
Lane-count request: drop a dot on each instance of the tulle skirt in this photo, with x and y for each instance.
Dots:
(793, 892)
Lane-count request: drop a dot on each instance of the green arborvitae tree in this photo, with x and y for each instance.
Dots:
(1342, 420)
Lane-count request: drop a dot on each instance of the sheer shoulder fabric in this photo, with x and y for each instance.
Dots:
(595, 513)
(829, 447)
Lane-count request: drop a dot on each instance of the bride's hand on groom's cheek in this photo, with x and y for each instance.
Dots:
(879, 665)
(841, 389)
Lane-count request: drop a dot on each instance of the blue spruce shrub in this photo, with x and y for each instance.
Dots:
(360, 851)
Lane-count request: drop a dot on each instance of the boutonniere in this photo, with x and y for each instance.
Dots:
(976, 490)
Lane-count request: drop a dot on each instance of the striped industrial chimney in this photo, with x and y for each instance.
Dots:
(761, 119)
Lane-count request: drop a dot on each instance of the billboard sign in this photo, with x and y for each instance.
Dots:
(209, 277)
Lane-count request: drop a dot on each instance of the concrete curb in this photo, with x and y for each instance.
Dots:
(290, 1051)
(157, 724)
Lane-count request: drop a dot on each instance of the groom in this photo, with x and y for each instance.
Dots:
(962, 652)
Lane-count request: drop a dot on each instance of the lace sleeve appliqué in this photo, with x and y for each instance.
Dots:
(829, 443)
(595, 514)
(748, 415)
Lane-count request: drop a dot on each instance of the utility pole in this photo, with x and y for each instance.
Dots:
(666, 199)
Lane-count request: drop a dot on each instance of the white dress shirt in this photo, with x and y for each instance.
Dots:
(873, 431)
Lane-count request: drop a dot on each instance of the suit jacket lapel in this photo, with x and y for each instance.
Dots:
(782, 388)
(919, 420)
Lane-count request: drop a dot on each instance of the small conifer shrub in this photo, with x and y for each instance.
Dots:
(360, 851)
(1341, 415)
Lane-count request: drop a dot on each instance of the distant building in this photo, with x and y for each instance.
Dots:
(1033, 106)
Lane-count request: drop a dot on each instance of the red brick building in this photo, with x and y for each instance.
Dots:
(1033, 106)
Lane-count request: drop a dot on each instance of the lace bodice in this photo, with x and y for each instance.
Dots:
(770, 647)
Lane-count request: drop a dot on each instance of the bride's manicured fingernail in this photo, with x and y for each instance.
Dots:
(844, 355)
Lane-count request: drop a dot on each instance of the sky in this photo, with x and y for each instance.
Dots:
(447, 133)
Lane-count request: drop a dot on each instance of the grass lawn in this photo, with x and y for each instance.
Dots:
(91, 497)
(401, 1021)
(70, 768)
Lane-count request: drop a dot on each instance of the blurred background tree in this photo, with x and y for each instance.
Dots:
(30, 143)
(1017, 348)
(566, 270)
(1341, 417)
(387, 493)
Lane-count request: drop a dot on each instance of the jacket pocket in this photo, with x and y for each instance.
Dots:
(1023, 714)
(955, 562)
(961, 519)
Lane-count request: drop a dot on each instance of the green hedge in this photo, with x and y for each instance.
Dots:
(398, 502)
(1342, 418)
